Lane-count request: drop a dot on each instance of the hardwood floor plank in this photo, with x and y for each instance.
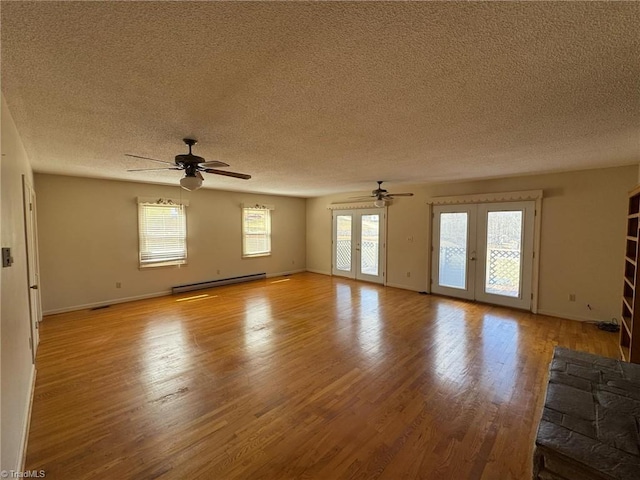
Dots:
(309, 377)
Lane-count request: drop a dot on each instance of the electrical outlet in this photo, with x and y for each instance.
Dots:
(118, 285)
(217, 272)
(572, 297)
(408, 274)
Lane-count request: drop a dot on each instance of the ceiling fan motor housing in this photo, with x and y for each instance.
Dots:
(379, 192)
(188, 158)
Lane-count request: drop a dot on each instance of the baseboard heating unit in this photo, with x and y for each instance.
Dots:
(217, 283)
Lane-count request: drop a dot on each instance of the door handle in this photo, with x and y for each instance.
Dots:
(34, 287)
(472, 258)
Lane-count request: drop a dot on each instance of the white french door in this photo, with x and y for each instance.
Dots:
(484, 252)
(359, 249)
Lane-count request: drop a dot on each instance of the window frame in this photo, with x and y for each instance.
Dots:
(266, 210)
(144, 235)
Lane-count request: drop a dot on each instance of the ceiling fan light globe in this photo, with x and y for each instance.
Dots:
(380, 202)
(191, 183)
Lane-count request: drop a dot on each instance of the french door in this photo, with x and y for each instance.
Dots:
(358, 244)
(484, 252)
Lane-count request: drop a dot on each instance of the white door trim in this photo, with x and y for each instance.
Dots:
(33, 269)
(488, 197)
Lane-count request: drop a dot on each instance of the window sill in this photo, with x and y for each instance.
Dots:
(158, 265)
(254, 255)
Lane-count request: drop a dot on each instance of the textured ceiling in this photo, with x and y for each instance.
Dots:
(319, 98)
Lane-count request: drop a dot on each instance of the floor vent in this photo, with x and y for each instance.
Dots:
(216, 283)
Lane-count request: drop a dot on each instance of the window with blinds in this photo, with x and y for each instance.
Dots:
(163, 234)
(256, 232)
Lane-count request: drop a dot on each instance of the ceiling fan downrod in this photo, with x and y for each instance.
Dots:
(190, 142)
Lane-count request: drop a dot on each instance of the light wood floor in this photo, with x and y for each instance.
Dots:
(306, 376)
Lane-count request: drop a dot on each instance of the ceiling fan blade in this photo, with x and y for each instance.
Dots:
(400, 195)
(213, 164)
(151, 169)
(363, 198)
(147, 158)
(243, 176)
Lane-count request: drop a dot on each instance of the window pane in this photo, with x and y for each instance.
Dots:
(343, 245)
(370, 244)
(256, 227)
(163, 234)
(504, 239)
(453, 250)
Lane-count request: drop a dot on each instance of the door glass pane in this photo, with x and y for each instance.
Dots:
(453, 250)
(343, 243)
(504, 240)
(370, 244)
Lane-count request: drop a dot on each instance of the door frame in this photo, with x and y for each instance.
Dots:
(517, 196)
(355, 262)
(33, 264)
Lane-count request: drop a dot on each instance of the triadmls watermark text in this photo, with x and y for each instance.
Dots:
(23, 474)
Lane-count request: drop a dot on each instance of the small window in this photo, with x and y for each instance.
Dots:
(256, 232)
(163, 234)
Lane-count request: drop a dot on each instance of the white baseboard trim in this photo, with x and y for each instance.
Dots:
(22, 454)
(106, 302)
(404, 287)
(321, 272)
(567, 316)
(115, 301)
(282, 274)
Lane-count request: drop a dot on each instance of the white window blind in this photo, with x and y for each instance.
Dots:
(163, 234)
(256, 231)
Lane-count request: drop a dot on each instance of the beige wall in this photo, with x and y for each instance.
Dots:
(582, 236)
(16, 366)
(88, 234)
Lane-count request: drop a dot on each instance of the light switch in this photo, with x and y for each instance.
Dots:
(7, 259)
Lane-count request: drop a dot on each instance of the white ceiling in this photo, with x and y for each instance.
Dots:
(318, 98)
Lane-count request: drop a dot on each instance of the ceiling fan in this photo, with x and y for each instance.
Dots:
(192, 165)
(381, 195)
